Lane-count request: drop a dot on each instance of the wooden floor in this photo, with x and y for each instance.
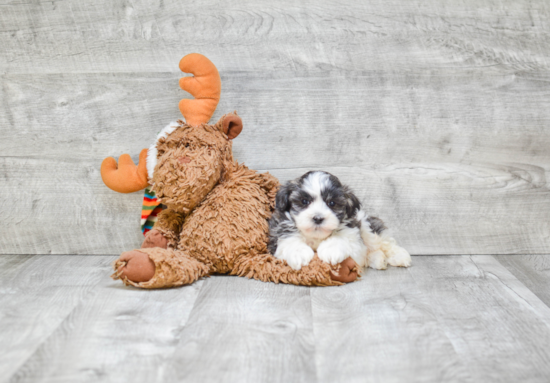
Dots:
(447, 318)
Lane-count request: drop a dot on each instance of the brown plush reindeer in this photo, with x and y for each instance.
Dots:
(217, 211)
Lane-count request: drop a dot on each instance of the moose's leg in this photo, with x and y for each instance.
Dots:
(267, 268)
(152, 268)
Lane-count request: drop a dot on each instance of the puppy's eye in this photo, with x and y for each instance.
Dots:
(305, 202)
(331, 203)
(186, 145)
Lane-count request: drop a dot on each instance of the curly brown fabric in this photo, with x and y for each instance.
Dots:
(267, 268)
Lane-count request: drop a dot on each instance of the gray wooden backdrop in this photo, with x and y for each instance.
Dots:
(436, 112)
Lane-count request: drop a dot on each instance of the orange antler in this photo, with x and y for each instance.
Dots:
(127, 178)
(205, 86)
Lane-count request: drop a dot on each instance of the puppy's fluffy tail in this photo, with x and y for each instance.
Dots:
(382, 249)
(371, 230)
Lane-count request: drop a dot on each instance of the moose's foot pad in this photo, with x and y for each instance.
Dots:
(154, 238)
(345, 272)
(135, 266)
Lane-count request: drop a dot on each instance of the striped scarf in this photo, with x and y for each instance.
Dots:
(149, 210)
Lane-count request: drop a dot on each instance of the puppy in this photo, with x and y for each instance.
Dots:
(316, 213)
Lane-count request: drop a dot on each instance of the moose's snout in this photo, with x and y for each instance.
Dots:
(184, 160)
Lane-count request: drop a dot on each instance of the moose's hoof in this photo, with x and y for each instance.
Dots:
(346, 271)
(135, 266)
(154, 238)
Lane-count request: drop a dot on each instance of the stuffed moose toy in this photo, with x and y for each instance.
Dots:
(216, 211)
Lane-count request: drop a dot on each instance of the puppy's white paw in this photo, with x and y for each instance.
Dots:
(296, 254)
(377, 260)
(332, 251)
(399, 257)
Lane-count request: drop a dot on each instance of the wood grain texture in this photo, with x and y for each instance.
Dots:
(36, 297)
(145, 36)
(499, 328)
(533, 270)
(445, 319)
(443, 189)
(65, 211)
(435, 113)
(117, 334)
(382, 329)
(247, 331)
(9, 263)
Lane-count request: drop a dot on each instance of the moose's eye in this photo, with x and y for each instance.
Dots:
(331, 203)
(305, 202)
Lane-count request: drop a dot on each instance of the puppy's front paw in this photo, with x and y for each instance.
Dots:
(332, 251)
(296, 255)
(399, 257)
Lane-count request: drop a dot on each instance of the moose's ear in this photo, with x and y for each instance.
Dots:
(232, 125)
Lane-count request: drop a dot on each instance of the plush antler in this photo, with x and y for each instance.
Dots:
(127, 178)
(205, 86)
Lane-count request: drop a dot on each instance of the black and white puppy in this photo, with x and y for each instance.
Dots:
(315, 212)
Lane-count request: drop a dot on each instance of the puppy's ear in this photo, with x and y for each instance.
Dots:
(282, 200)
(352, 202)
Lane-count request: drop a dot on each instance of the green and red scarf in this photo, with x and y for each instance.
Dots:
(149, 210)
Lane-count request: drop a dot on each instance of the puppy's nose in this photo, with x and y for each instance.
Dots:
(318, 220)
(184, 160)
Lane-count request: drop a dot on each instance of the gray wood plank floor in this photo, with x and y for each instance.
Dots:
(447, 318)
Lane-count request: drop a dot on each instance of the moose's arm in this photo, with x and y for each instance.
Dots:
(169, 224)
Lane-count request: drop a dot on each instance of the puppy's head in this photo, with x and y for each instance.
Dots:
(318, 203)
